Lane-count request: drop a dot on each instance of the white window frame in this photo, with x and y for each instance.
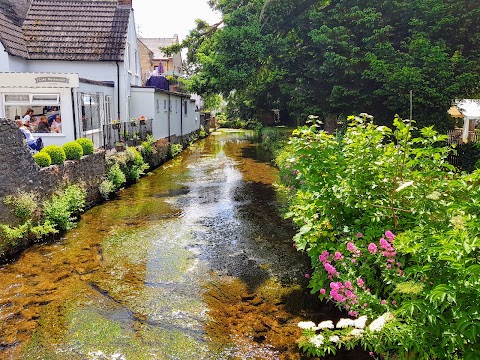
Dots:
(31, 100)
(108, 109)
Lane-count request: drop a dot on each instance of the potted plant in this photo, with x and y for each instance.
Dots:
(116, 124)
(133, 121)
(136, 138)
(119, 146)
(142, 120)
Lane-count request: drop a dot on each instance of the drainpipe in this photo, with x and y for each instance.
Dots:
(74, 117)
(118, 90)
(168, 109)
(181, 118)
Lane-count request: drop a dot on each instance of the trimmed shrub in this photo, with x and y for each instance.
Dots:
(56, 154)
(73, 150)
(42, 159)
(87, 145)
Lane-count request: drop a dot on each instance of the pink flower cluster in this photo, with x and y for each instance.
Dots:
(343, 293)
(352, 248)
(325, 258)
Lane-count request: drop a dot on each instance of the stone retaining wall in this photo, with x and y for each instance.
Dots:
(19, 172)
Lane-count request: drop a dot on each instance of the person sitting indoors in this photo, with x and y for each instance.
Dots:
(34, 144)
(27, 117)
(43, 126)
(57, 124)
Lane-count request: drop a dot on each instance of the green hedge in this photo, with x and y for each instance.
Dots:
(42, 159)
(56, 154)
(87, 145)
(73, 150)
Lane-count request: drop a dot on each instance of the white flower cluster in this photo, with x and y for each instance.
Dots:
(357, 332)
(358, 323)
(317, 340)
(380, 322)
(307, 325)
(334, 338)
(328, 324)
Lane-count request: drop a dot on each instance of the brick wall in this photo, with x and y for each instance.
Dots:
(146, 59)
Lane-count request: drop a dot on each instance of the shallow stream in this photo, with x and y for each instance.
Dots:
(193, 262)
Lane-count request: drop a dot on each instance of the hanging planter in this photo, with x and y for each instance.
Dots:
(116, 126)
(142, 120)
(134, 122)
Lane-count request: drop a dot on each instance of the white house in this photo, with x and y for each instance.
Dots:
(76, 58)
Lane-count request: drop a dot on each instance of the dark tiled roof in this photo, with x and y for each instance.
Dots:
(11, 35)
(91, 30)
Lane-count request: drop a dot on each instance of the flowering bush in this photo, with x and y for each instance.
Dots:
(415, 289)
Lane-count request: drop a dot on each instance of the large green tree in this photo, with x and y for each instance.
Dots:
(339, 57)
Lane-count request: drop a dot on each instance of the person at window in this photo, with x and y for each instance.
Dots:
(57, 124)
(43, 126)
(27, 117)
(32, 142)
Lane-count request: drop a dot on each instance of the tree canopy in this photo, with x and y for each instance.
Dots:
(338, 57)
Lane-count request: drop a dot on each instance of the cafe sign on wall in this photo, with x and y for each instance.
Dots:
(38, 80)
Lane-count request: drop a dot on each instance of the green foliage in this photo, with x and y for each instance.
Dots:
(130, 163)
(42, 159)
(423, 281)
(11, 235)
(212, 102)
(283, 56)
(106, 188)
(116, 176)
(42, 230)
(62, 210)
(73, 150)
(273, 139)
(202, 133)
(175, 149)
(56, 154)
(24, 204)
(147, 148)
(468, 157)
(87, 145)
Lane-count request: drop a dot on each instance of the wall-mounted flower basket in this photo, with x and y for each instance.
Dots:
(143, 122)
(133, 123)
(116, 126)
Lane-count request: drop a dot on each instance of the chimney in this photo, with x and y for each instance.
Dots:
(125, 2)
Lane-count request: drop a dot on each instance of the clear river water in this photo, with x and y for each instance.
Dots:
(192, 262)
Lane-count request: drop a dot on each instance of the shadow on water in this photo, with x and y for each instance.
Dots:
(193, 262)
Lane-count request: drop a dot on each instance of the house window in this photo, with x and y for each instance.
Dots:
(157, 105)
(17, 98)
(127, 57)
(89, 104)
(165, 105)
(176, 106)
(108, 109)
(47, 105)
(136, 62)
(186, 107)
